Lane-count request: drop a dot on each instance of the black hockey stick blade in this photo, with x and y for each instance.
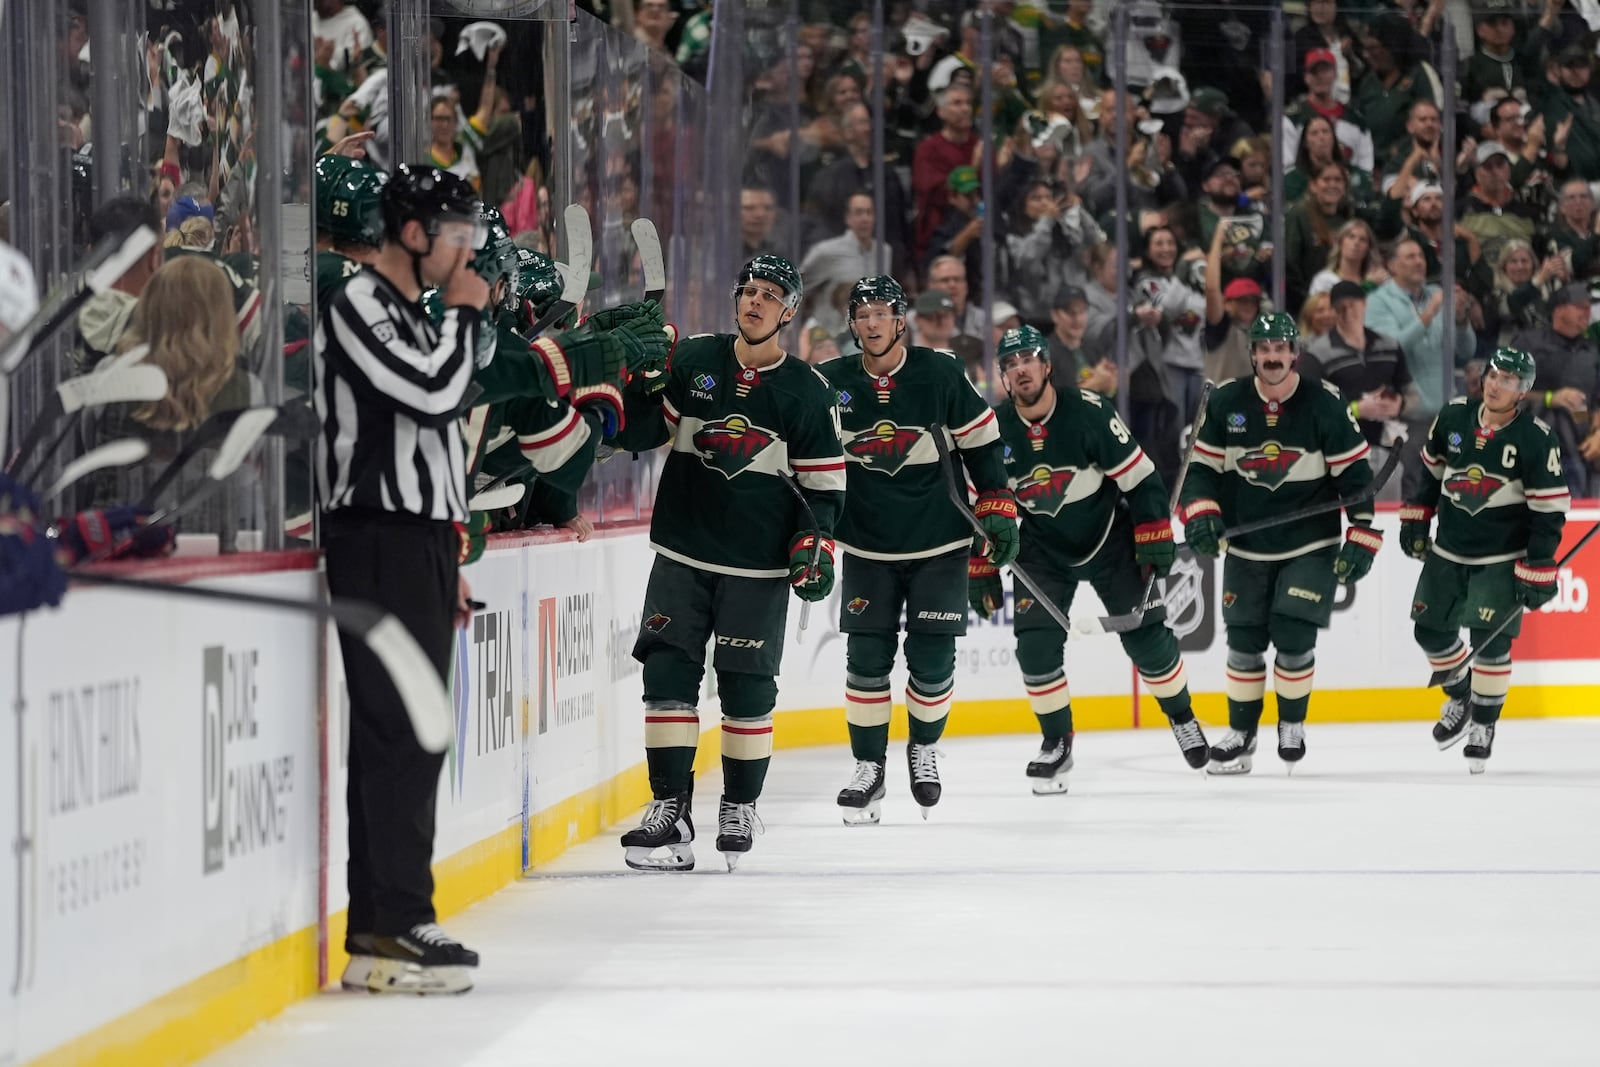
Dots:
(575, 272)
(422, 692)
(958, 497)
(1132, 620)
(816, 546)
(648, 241)
(140, 383)
(1377, 483)
(1440, 677)
(294, 421)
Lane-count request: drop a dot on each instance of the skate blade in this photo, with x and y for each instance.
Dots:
(404, 977)
(1289, 766)
(1476, 766)
(924, 812)
(356, 974)
(1049, 787)
(1238, 766)
(732, 859)
(679, 857)
(867, 816)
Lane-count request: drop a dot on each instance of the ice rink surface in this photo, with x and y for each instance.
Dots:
(1380, 907)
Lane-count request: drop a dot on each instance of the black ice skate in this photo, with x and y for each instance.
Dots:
(1480, 746)
(1192, 740)
(1232, 754)
(1452, 724)
(861, 801)
(924, 764)
(1291, 743)
(424, 961)
(1047, 773)
(667, 826)
(737, 825)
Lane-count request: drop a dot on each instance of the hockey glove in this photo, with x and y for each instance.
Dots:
(614, 318)
(111, 533)
(1202, 526)
(984, 591)
(1536, 582)
(810, 583)
(996, 512)
(1415, 521)
(581, 357)
(1360, 548)
(1153, 546)
(473, 535)
(30, 577)
(650, 382)
(604, 402)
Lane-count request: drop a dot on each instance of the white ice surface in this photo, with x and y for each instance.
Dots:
(1379, 907)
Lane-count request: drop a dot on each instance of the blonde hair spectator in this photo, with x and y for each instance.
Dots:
(186, 316)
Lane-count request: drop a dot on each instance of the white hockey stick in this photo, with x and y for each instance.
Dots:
(496, 497)
(648, 241)
(111, 454)
(575, 272)
(138, 383)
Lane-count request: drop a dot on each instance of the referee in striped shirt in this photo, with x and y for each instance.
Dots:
(389, 387)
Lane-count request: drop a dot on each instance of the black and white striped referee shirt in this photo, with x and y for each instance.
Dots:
(389, 388)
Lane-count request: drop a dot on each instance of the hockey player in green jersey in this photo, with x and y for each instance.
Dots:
(1271, 444)
(741, 417)
(905, 544)
(1496, 484)
(1093, 509)
(349, 225)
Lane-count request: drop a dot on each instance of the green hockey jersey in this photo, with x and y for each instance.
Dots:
(1259, 459)
(1069, 471)
(736, 434)
(1503, 494)
(897, 505)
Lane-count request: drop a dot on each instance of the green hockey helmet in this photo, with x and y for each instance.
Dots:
(880, 290)
(1274, 326)
(497, 258)
(1513, 361)
(538, 283)
(1019, 340)
(348, 193)
(778, 271)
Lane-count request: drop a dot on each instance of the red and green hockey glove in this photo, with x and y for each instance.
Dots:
(1153, 546)
(581, 357)
(810, 583)
(1415, 522)
(650, 381)
(473, 535)
(984, 591)
(1202, 526)
(996, 512)
(1360, 548)
(1536, 582)
(615, 317)
(604, 402)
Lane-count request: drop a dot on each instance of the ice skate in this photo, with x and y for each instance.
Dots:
(424, 961)
(861, 802)
(1291, 743)
(1047, 773)
(1452, 724)
(1192, 740)
(1480, 746)
(356, 972)
(1232, 754)
(924, 765)
(661, 840)
(736, 826)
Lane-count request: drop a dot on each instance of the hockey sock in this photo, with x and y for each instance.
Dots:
(1246, 688)
(1292, 673)
(747, 701)
(671, 734)
(1040, 654)
(867, 703)
(928, 705)
(1446, 653)
(1154, 651)
(1491, 680)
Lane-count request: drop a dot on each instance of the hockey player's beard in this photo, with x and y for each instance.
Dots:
(1028, 394)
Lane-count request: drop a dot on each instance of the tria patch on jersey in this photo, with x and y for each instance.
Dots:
(657, 622)
(1044, 490)
(1269, 465)
(857, 606)
(885, 447)
(730, 445)
(1471, 489)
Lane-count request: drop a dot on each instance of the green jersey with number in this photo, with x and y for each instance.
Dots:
(737, 434)
(1500, 492)
(898, 505)
(1260, 459)
(1070, 470)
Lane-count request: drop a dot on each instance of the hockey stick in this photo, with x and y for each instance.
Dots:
(1323, 508)
(1440, 677)
(1121, 624)
(648, 241)
(494, 497)
(958, 497)
(70, 425)
(140, 382)
(111, 454)
(575, 272)
(294, 420)
(816, 551)
(421, 691)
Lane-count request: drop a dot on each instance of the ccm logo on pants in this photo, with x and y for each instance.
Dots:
(739, 642)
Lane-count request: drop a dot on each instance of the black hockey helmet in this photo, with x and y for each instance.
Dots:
(432, 196)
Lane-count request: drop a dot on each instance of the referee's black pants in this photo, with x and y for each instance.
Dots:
(407, 566)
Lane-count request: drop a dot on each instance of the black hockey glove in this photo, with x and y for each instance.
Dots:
(1415, 522)
(1360, 548)
(1536, 582)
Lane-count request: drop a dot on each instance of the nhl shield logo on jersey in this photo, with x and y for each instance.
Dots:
(1269, 465)
(857, 606)
(1471, 489)
(1044, 490)
(730, 445)
(885, 447)
(656, 623)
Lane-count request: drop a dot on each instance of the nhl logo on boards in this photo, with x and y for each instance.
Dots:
(857, 606)
(1472, 489)
(1036, 436)
(885, 447)
(748, 380)
(1269, 465)
(657, 622)
(883, 385)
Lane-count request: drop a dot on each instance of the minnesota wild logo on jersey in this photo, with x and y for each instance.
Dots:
(1043, 491)
(728, 446)
(1471, 489)
(885, 447)
(1269, 465)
